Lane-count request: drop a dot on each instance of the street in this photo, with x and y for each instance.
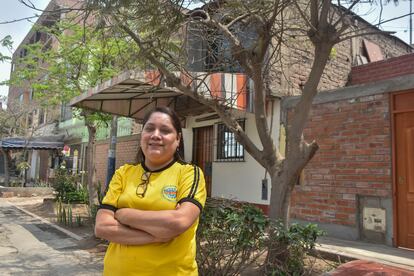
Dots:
(30, 246)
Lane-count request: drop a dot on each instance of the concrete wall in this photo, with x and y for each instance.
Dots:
(25, 191)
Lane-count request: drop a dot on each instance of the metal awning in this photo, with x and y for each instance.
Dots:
(133, 93)
(42, 142)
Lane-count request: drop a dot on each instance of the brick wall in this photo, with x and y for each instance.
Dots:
(297, 58)
(126, 151)
(354, 159)
(382, 70)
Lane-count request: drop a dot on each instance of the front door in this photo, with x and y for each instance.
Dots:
(203, 152)
(403, 111)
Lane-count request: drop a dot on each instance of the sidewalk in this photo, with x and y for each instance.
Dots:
(378, 253)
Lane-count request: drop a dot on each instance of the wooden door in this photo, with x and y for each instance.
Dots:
(203, 152)
(403, 105)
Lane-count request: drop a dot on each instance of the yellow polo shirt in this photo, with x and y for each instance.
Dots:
(177, 182)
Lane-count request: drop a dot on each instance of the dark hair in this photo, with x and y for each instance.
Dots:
(176, 124)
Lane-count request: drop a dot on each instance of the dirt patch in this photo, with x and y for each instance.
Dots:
(315, 265)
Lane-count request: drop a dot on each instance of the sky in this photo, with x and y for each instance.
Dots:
(13, 9)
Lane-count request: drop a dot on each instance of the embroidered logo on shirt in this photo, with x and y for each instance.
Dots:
(170, 193)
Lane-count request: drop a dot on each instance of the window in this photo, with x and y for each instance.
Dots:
(228, 149)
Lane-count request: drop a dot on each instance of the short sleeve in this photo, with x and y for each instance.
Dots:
(192, 187)
(110, 200)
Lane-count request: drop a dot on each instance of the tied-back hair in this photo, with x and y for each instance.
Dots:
(177, 126)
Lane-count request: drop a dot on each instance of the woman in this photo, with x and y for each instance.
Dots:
(150, 212)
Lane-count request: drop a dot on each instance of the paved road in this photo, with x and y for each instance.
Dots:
(29, 246)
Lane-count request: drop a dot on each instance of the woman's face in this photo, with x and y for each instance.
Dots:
(159, 140)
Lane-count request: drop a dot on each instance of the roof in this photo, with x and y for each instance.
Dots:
(43, 142)
(134, 93)
(359, 18)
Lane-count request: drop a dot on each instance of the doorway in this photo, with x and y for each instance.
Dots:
(203, 152)
(403, 167)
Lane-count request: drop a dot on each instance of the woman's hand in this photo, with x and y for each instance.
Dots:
(122, 215)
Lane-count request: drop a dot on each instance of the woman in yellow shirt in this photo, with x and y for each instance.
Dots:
(150, 212)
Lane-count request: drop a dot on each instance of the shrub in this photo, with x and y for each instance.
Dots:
(230, 237)
(288, 248)
(66, 187)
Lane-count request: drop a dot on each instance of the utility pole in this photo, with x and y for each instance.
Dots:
(112, 150)
(411, 22)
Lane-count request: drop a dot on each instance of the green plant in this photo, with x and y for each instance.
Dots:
(99, 192)
(65, 215)
(59, 211)
(230, 237)
(78, 220)
(80, 195)
(14, 184)
(67, 189)
(41, 183)
(288, 247)
(23, 166)
(70, 218)
(64, 221)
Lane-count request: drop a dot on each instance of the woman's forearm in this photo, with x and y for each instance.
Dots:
(108, 228)
(162, 224)
(157, 223)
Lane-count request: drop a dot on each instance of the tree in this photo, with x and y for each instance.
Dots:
(6, 42)
(81, 57)
(241, 36)
(249, 37)
(13, 123)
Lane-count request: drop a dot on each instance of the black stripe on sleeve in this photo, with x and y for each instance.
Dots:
(192, 200)
(108, 207)
(196, 182)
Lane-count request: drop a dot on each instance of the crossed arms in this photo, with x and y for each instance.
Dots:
(136, 227)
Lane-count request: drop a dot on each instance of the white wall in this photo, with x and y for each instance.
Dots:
(188, 144)
(34, 165)
(238, 180)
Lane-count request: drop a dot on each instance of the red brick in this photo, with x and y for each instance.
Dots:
(353, 159)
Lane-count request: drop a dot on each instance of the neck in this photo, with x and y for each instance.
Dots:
(155, 166)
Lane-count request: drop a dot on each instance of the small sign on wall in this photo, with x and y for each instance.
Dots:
(374, 219)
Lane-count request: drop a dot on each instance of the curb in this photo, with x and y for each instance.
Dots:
(67, 232)
(339, 257)
(343, 257)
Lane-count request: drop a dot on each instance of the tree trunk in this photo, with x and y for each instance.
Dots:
(92, 189)
(6, 167)
(280, 196)
(283, 183)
